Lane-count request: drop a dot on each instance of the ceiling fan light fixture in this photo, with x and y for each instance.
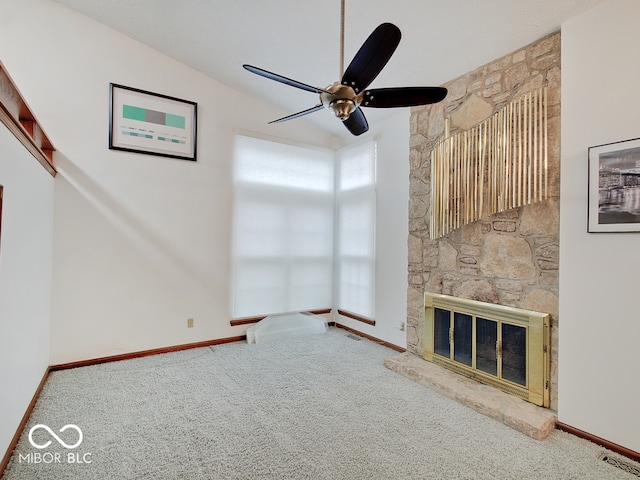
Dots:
(342, 108)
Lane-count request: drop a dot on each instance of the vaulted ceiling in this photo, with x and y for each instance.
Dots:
(300, 39)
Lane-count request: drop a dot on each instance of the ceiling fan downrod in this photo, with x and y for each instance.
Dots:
(341, 72)
(338, 98)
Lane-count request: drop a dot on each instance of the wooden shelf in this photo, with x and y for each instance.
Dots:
(19, 119)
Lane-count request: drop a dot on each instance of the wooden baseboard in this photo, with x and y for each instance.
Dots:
(614, 447)
(373, 339)
(146, 353)
(23, 423)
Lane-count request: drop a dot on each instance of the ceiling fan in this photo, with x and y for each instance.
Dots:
(344, 98)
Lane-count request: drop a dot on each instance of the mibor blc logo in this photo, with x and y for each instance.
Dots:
(55, 457)
(60, 441)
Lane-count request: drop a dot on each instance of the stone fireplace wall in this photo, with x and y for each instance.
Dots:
(510, 258)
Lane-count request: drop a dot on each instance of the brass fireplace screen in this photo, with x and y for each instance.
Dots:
(497, 165)
(501, 346)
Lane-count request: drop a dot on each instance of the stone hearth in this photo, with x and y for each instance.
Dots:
(536, 422)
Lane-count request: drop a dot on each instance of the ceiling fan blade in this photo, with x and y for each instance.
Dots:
(299, 114)
(402, 96)
(356, 123)
(372, 57)
(281, 79)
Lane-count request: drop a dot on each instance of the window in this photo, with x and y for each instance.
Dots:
(356, 229)
(283, 228)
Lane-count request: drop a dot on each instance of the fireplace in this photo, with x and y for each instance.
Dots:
(501, 346)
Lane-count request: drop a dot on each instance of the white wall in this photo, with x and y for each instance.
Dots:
(392, 229)
(600, 326)
(25, 280)
(141, 243)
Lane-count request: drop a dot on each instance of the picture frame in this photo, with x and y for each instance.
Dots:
(151, 123)
(614, 187)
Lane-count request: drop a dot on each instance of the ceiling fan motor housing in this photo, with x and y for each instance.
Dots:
(340, 99)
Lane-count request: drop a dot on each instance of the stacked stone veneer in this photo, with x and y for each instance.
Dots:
(510, 258)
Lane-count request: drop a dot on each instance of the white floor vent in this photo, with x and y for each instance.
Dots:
(286, 325)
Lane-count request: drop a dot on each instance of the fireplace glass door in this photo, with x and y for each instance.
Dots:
(441, 329)
(463, 338)
(514, 353)
(486, 341)
(494, 347)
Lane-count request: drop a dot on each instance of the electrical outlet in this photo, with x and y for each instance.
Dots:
(189, 322)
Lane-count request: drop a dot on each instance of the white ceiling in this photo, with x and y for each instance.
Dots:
(300, 39)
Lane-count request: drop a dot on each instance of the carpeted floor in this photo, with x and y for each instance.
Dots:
(320, 407)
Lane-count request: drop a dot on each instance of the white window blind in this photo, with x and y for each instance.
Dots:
(283, 228)
(356, 229)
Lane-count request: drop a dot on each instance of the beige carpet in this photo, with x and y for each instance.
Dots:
(320, 407)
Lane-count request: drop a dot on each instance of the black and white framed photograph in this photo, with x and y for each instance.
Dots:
(614, 187)
(151, 123)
